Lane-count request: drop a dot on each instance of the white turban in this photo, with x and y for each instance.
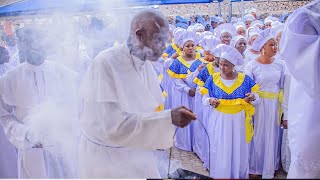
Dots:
(261, 40)
(248, 17)
(235, 40)
(278, 29)
(177, 33)
(205, 33)
(275, 23)
(209, 42)
(227, 27)
(257, 22)
(187, 36)
(239, 25)
(252, 31)
(197, 27)
(232, 55)
(269, 19)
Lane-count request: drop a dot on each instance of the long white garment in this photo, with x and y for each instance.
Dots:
(120, 128)
(168, 85)
(184, 136)
(285, 149)
(21, 89)
(229, 151)
(264, 148)
(8, 153)
(300, 49)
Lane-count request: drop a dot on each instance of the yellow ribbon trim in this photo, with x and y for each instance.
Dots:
(255, 88)
(165, 55)
(203, 91)
(160, 108)
(198, 82)
(184, 62)
(176, 48)
(235, 106)
(272, 95)
(174, 75)
(164, 93)
(160, 77)
(229, 90)
(198, 55)
(210, 68)
(198, 48)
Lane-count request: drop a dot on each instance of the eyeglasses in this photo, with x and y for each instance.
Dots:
(226, 37)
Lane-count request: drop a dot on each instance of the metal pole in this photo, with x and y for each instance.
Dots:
(219, 9)
(230, 10)
(242, 9)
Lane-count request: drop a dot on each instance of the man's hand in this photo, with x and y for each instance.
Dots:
(249, 97)
(201, 66)
(214, 102)
(33, 139)
(174, 56)
(285, 124)
(182, 116)
(192, 92)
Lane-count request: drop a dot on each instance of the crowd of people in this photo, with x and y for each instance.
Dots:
(229, 76)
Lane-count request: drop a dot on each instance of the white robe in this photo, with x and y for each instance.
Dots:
(300, 48)
(8, 153)
(265, 146)
(120, 128)
(14, 55)
(21, 89)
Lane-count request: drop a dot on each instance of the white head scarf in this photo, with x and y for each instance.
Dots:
(209, 42)
(262, 39)
(256, 22)
(275, 23)
(205, 33)
(278, 29)
(187, 36)
(248, 17)
(232, 55)
(177, 33)
(234, 40)
(197, 27)
(227, 27)
(252, 31)
(269, 19)
(239, 25)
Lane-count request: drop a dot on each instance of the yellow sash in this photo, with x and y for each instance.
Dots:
(160, 108)
(235, 106)
(271, 95)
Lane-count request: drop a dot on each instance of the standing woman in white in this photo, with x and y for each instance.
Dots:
(269, 73)
(300, 48)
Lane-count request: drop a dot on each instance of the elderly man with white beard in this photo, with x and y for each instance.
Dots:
(120, 93)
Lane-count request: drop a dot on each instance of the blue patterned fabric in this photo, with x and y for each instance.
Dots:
(240, 92)
(169, 50)
(195, 65)
(203, 74)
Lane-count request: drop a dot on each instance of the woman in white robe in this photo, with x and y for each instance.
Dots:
(200, 142)
(230, 128)
(269, 73)
(184, 89)
(8, 153)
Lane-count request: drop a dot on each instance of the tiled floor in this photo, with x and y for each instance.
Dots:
(191, 162)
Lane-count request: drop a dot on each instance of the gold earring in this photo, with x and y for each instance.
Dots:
(263, 52)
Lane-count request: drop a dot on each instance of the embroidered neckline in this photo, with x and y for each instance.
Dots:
(229, 90)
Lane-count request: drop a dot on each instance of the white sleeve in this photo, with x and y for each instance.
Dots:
(181, 85)
(248, 71)
(205, 100)
(286, 92)
(15, 131)
(191, 77)
(149, 131)
(257, 100)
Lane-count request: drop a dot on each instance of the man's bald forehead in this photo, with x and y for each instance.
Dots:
(146, 17)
